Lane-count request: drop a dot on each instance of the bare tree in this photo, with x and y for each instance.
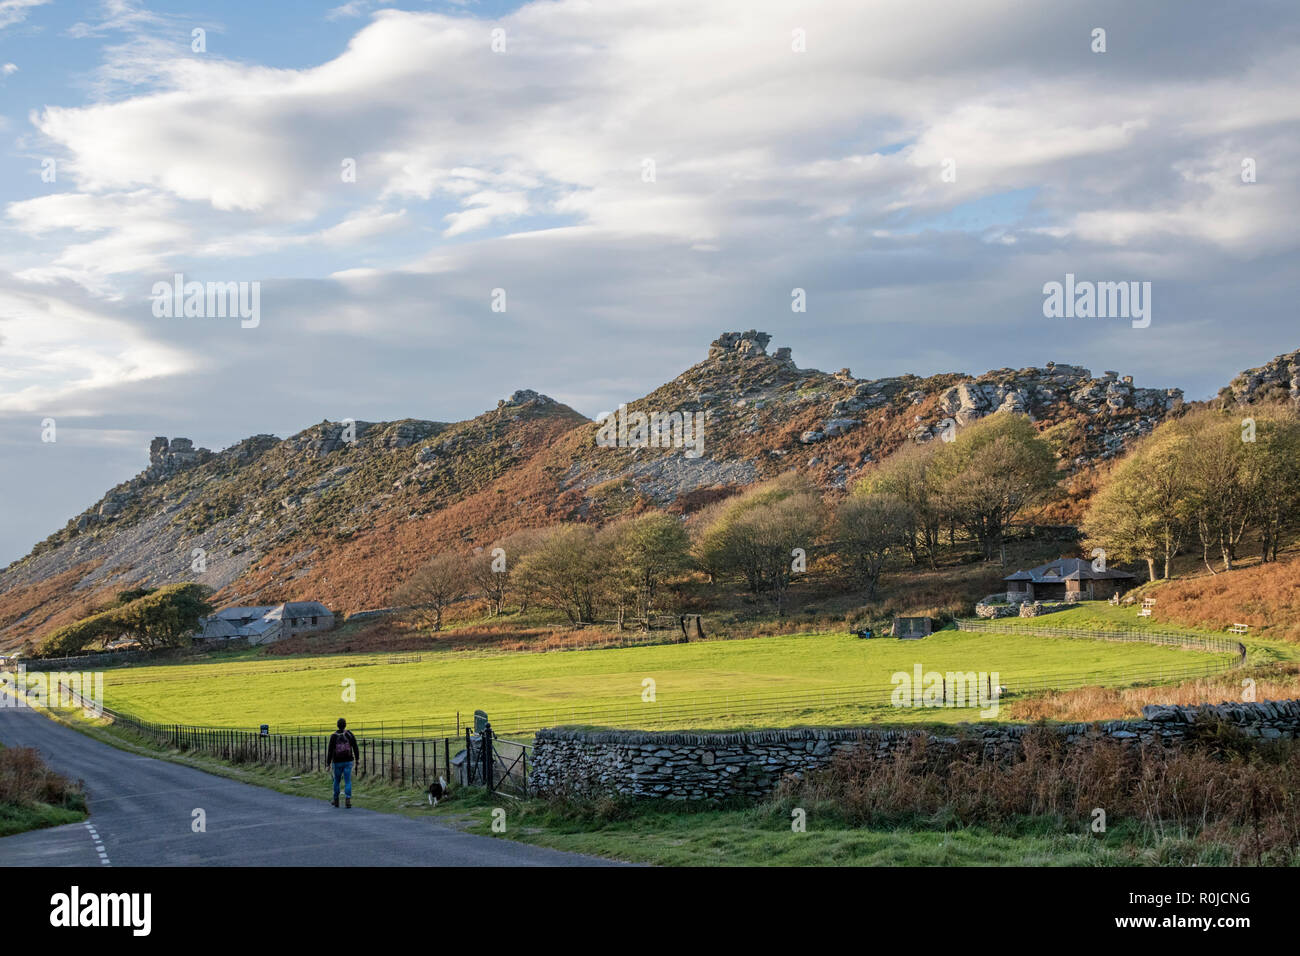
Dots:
(649, 549)
(489, 573)
(868, 529)
(568, 569)
(435, 586)
(905, 476)
(755, 535)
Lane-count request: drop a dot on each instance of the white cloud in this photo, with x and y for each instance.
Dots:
(57, 348)
(773, 169)
(15, 11)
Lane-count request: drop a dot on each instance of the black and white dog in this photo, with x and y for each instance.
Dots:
(437, 791)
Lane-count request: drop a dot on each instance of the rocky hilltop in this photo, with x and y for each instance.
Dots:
(1277, 381)
(342, 512)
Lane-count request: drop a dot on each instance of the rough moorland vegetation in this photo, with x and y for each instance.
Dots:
(1228, 790)
(32, 795)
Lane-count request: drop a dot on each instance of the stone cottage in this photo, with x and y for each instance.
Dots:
(265, 624)
(1066, 579)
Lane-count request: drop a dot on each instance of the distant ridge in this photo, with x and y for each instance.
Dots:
(342, 511)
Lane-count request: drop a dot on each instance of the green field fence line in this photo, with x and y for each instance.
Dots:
(413, 762)
(679, 712)
(1126, 635)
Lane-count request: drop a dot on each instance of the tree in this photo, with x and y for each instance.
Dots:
(1221, 500)
(568, 569)
(905, 476)
(755, 535)
(993, 472)
(1273, 466)
(648, 550)
(74, 638)
(439, 583)
(868, 529)
(165, 617)
(1209, 474)
(517, 547)
(1141, 512)
(489, 573)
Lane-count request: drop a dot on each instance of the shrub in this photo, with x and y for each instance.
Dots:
(25, 780)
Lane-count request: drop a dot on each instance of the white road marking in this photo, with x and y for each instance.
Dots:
(99, 845)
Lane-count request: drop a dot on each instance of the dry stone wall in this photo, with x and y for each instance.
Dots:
(710, 766)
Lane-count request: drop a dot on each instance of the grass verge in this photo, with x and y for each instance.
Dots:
(34, 796)
(754, 835)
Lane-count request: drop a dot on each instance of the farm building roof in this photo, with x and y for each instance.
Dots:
(1066, 569)
(245, 613)
(305, 609)
(218, 627)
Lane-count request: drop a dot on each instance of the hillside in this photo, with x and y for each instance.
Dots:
(343, 514)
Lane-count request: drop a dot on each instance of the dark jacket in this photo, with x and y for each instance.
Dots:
(351, 741)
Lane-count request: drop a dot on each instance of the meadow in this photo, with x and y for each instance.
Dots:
(766, 681)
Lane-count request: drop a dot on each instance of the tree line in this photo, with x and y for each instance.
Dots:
(975, 487)
(1205, 484)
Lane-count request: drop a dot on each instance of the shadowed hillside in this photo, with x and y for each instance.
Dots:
(343, 512)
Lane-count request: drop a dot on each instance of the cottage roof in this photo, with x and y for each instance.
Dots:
(260, 626)
(242, 613)
(218, 627)
(306, 609)
(1067, 569)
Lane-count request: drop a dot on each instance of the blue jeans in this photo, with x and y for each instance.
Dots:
(344, 771)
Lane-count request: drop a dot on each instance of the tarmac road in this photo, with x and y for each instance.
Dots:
(141, 810)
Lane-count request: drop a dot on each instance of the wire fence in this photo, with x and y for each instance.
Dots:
(680, 712)
(418, 752)
(1221, 645)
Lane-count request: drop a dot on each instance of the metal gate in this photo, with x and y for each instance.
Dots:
(496, 763)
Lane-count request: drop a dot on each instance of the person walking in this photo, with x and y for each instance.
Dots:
(342, 753)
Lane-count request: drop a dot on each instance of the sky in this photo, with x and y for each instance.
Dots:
(628, 180)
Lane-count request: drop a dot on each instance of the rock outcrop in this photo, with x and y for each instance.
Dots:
(752, 342)
(1030, 390)
(1278, 380)
(168, 457)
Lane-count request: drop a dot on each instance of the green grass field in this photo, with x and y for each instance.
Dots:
(1103, 616)
(701, 685)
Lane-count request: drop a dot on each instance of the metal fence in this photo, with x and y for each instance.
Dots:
(419, 751)
(405, 762)
(498, 764)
